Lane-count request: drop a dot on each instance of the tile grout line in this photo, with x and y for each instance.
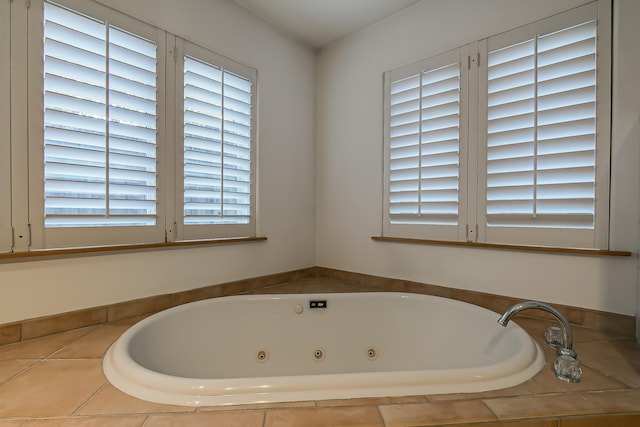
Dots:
(482, 401)
(28, 368)
(384, 422)
(86, 401)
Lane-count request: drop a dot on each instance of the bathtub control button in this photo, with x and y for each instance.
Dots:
(298, 308)
(318, 303)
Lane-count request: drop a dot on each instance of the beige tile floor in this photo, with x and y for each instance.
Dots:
(58, 381)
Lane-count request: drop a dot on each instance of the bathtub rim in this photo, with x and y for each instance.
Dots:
(128, 376)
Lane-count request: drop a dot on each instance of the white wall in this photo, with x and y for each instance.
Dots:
(286, 179)
(626, 110)
(348, 169)
(350, 163)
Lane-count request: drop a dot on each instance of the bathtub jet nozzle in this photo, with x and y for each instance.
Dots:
(566, 366)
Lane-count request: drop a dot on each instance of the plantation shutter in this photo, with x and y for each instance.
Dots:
(546, 159)
(218, 146)
(542, 131)
(423, 147)
(94, 151)
(99, 123)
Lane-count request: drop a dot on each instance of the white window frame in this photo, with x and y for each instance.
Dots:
(5, 128)
(472, 210)
(415, 226)
(46, 237)
(567, 237)
(22, 226)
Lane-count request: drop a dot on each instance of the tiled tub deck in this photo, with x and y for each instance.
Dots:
(57, 380)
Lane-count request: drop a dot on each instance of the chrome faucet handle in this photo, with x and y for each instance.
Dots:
(553, 337)
(567, 368)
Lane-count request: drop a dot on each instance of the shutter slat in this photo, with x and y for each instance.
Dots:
(404, 130)
(513, 192)
(510, 179)
(570, 175)
(568, 36)
(403, 85)
(577, 221)
(566, 145)
(584, 79)
(433, 219)
(404, 118)
(401, 141)
(440, 146)
(401, 187)
(62, 17)
(442, 159)
(567, 160)
(405, 107)
(511, 136)
(511, 95)
(441, 100)
(516, 164)
(510, 151)
(567, 68)
(69, 53)
(566, 98)
(441, 119)
(435, 172)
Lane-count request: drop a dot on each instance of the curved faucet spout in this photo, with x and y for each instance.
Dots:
(567, 335)
(566, 366)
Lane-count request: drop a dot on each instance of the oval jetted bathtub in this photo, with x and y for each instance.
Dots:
(277, 348)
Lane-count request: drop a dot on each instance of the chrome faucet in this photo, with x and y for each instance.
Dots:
(566, 366)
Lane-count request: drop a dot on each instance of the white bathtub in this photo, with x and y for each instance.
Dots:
(275, 348)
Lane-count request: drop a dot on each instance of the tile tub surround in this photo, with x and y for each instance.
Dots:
(57, 380)
(309, 280)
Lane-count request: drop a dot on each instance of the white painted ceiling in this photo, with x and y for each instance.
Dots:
(318, 23)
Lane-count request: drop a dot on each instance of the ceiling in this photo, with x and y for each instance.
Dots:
(318, 23)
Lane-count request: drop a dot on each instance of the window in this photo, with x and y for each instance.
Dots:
(99, 123)
(216, 145)
(538, 163)
(95, 179)
(426, 148)
(114, 139)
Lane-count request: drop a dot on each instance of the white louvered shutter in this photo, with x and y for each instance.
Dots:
(542, 131)
(546, 160)
(218, 146)
(99, 123)
(423, 148)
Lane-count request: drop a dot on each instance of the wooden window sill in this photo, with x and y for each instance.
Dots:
(573, 251)
(121, 248)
